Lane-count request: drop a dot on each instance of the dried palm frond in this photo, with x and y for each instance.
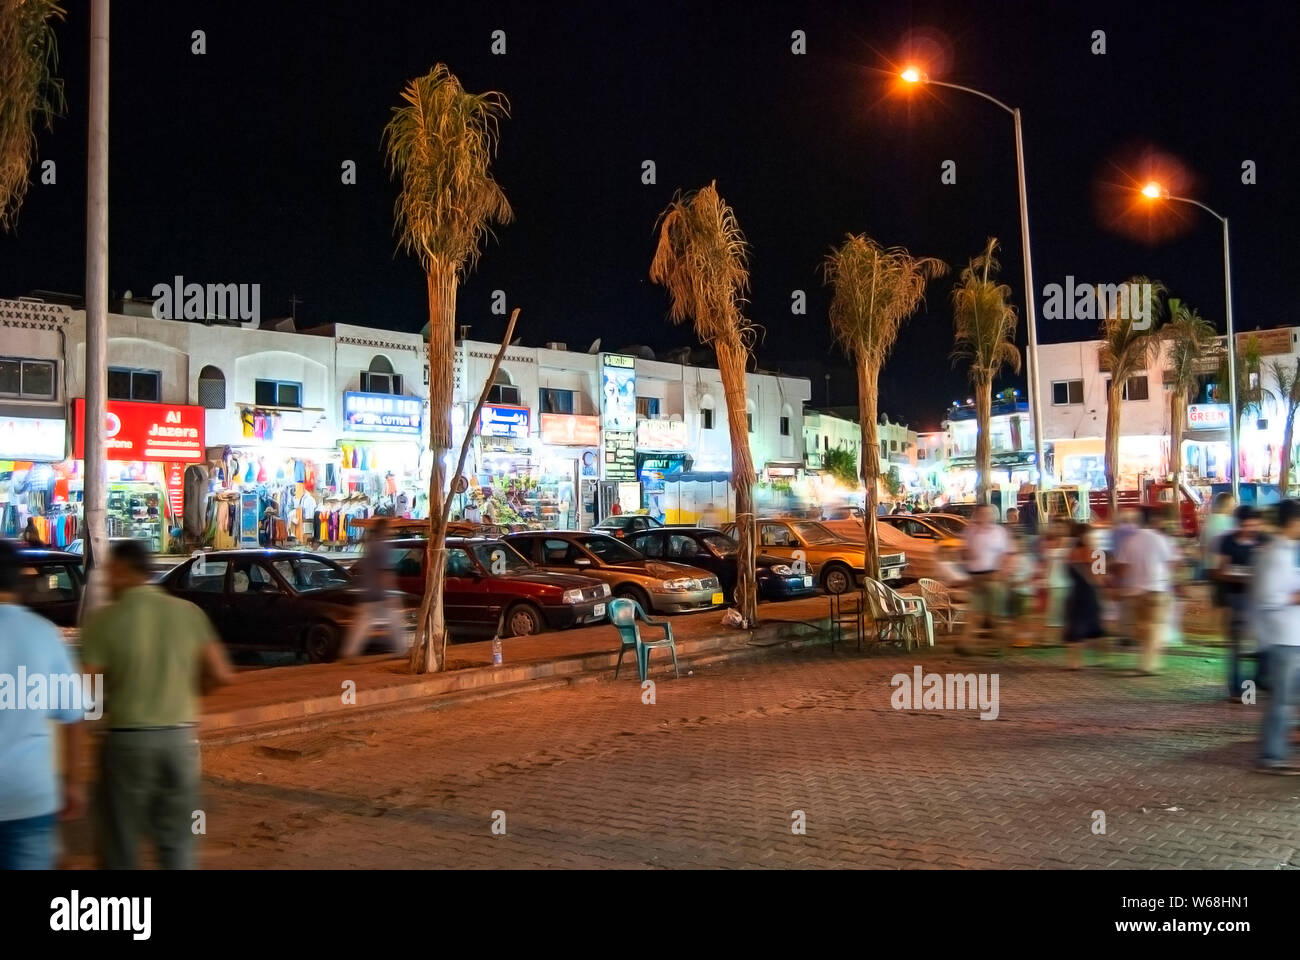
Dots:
(29, 93)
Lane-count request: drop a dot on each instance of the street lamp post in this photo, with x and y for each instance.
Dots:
(912, 75)
(1155, 191)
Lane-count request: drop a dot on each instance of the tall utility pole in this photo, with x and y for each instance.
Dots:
(96, 373)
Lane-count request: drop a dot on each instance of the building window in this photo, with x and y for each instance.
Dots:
(749, 422)
(380, 378)
(503, 391)
(212, 389)
(1135, 388)
(1066, 392)
(127, 384)
(893, 444)
(277, 393)
(556, 401)
(647, 408)
(884, 450)
(706, 418)
(826, 442)
(28, 379)
(920, 453)
(785, 426)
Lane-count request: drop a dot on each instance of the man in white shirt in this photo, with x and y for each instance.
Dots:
(1145, 561)
(1275, 597)
(986, 549)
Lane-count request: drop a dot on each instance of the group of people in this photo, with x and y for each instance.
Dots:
(145, 659)
(1057, 585)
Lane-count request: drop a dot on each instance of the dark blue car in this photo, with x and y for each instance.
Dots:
(716, 552)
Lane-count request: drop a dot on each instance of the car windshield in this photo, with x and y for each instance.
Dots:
(500, 559)
(622, 522)
(308, 574)
(610, 550)
(811, 532)
(722, 544)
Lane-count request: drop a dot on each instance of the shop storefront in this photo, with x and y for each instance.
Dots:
(506, 483)
(148, 447)
(660, 460)
(33, 440)
(569, 454)
(380, 454)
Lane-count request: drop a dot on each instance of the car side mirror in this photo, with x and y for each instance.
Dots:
(582, 562)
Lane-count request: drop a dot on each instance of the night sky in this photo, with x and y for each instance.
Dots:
(226, 167)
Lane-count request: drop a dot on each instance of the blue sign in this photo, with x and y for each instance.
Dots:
(381, 413)
(495, 420)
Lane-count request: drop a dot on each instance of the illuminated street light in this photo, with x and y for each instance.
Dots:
(1156, 191)
(915, 75)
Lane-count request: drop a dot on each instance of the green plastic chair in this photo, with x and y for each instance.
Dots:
(624, 614)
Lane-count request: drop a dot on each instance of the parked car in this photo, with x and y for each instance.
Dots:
(716, 552)
(954, 524)
(657, 585)
(923, 526)
(926, 556)
(626, 523)
(835, 561)
(265, 600)
(50, 582)
(486, 577)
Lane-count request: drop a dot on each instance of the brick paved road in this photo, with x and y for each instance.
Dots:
(710, 775)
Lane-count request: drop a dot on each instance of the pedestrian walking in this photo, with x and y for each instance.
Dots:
(1232, 574)
(1276, 600)
(157, 654)
(33, 795)
(374, 574)
(986, 549)
(1083, 626)
(1055, 558)
(1219, 522)
(1146, 560)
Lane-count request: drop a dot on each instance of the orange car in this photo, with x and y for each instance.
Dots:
(836, 562)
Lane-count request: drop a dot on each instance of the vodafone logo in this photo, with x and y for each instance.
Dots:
(112, 425)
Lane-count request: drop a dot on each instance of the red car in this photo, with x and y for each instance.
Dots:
(487, 578)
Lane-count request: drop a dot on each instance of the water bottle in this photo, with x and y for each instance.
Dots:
(496, 650)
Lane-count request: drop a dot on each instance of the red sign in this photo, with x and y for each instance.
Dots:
(564, 430)
(144, 431)
(175, 473)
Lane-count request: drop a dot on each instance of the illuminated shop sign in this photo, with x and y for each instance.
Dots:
(496, 420)
(381, 413)
(144, 431)
(1207, 416)
(618, 393)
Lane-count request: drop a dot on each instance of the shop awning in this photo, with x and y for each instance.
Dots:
(711, 477)
(1207, 436)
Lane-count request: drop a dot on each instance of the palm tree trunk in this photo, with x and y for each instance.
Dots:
(732, 357)
(1113, 395)
(1177, 416)
(983, 438)
(867, 400)
(1288, 438)
(426, 652)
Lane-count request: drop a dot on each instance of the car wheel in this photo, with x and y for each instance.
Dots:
(523, 620)
(629, 592)
(837, 578)
(322, 642)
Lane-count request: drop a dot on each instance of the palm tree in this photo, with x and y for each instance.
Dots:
(441, 142)
(1126, 350)
(875, 290)
(702, 259)
(984, 328)
(1191, 340)
(1286, 387)
(29, 92)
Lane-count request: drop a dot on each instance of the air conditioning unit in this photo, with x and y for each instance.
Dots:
(557, 346)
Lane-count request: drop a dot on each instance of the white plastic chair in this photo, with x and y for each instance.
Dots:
(938, 600)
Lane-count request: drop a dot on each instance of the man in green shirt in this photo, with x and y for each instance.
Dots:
(156, 652)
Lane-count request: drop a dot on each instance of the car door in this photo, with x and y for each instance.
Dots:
(684, 548)
(203, 583)
(260, 611)
(466, 598)
(651, 543)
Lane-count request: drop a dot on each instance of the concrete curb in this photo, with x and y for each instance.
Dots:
(478, 683)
